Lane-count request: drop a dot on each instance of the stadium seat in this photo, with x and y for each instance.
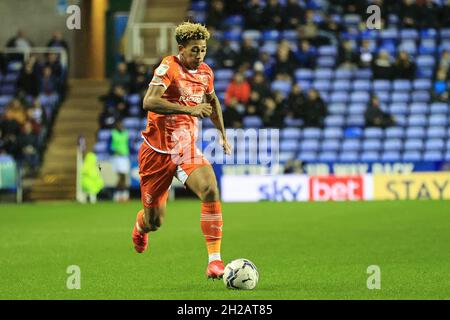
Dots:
(425, 61)
(312, 133)
(436, 132)
(422, 84)
(355, 121)
(433, 156)
(445, 33)
(333, 133)
(439, 107)
(103, 135)
(438, 120)
(362, 85)
(413, 144)
(394, 132)
(398, 108)
(307, 156)
(418, 108)
(412, 156)
(255, 35)
(363, 74)
(420, 96)
(339, 97)
(434, 144)
(291, 133)
(417, 120)
(389, 34)
(381, 85)
(392, 145)
(373, 133)
(323, 74)
(291, 35)
(337, 108)
(348, 156)
(447, 156)
(328, 156)
(224, 74)
(321, 85)
(401, 85)
(415, 132)
(326, 62)
(271, 35)
(293, 122)
(282, 86)
(400, 97)
(334, 121)
(390, 156)
(411, 34)
(252, 122)
(370, 156)
(341, 74)
(341, 85)
(286, 156)
(4, 100)
(101, 147)
(330, 145)
(131, 123)
(351, 145)
(289, 145)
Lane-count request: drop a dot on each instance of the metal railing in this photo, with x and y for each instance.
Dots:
(39, 50)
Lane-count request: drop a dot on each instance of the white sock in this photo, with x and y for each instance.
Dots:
(214, 256)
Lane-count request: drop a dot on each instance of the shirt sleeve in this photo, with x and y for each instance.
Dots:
(163, 75)
(210, 88)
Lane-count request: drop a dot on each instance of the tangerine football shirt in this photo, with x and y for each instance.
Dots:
(166, 133)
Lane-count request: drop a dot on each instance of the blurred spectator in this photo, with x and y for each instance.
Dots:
(347, 56)
(440, 91)
(272, 15)
(28, 146)
(428, 14)
(445, 14)
(91, 179)
(293, 166)
(140, 79)
(444, 62)
(57, 41)
(120, 151)
(365, 54)
(330, 25)
(253, 12)
(214, 45)
(272, 113)
(296, 102)
(382, 67)
(293, 14)
(259, 84)
(265, 64)
(48, 83)
(315, 110)
(285, 63)
(227, 56)
(239, 89)
(306, 55)
(231, 116)
(375, 117)
(121, 77)
(409, 14)
(309, 29)
(405, 68)
(216, 14)
(109, 117)
(254, 104)
(249, 52)
(20, 41)
(354, 6)
(28, 81)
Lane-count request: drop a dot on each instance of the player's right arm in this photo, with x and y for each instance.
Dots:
(154, 103)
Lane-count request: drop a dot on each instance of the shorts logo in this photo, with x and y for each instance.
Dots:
(148, 198)
(161, 70)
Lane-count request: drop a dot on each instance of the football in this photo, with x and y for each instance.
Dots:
(241, 274)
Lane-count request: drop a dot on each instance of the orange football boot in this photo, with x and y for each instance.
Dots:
(140, 240)
(215, 269)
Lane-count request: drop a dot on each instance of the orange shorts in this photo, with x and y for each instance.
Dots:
(156, 171)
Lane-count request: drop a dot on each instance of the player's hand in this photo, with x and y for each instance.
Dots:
(224, 143)
(201, 110)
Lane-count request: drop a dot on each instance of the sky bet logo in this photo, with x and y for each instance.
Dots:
(278, 191)
(336, 188)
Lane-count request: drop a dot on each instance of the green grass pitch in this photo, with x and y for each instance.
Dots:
(302, 251)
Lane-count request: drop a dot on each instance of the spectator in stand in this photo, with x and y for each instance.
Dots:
(272, 113)
(57, 41)
(405, 68)
(20, 41)
(28, 81)
(309, 29)
(140, 80)
(239, 89)
(306, 55)
(120, 150)
(38, 118)
(249, 52)
(253, 12)
(28, 149)
(285, 64)
(259, 84)
(428, 14)
(48, 84)
(382, 67)
(109, 117)
(445, 14)
(444, 62)
(227, 56)
(265, 64)
(296, 103)
(216, 14)
(294, 166)
(331, 26)
(231, 116)
(10, 125)
(293, 14)
(315, 110)
(409, 14)
(254, 104)
(440, 92)
(272, 15)
(375, 117)
(365, 55)
(121, 77)
(347, 56)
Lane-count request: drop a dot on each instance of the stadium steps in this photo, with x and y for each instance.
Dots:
(78, 116)
(161, 11)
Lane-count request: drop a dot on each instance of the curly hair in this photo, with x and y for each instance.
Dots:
(187, 31)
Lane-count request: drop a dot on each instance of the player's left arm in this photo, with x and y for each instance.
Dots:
(217, 119)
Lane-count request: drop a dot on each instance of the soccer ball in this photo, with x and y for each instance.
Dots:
(241, 274)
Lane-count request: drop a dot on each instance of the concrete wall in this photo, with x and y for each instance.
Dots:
(38, 19)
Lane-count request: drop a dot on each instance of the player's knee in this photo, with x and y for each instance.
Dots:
(210, 193)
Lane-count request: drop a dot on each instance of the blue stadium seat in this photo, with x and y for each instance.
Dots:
(234, 20)
(433, 155)
(413, 144)
(207, 123)
(333, 133)
(418, 108)
(436, 132)
(131, 123)
(334, 121)
(447, 156)
(415, 132)
(271, 35)
(401, 85)
(341, 85)
(199, 5)
(4, 100)
(422, 84)
(323, 74)
(362, 85)
(221, 85)
(348, 156)
(255, 35)
(304, 84)
(371, 145)
(383, 96)
(355, 120)
(390, 156)
(341, 74)
(363, 74)
(307, 156)
(400, 97)
(409, 46)
(409, 34)
(438, 120)
(445, 33)
(291, 35)
(427, 46)
(293, 122)
(103, 134)
(337, 108)
(134, 99)
(389, 34)
(282, 86)
(420, 96)
(392, 145)
(360, 97)
(373, 133)
(103, 156)
(435, 144)
(291, 133)
(339, 97)
(328, 156)
(286, 156)
(330, 145)
(381, 85)
(303, 74)
(417, 120)
(350, 145)
(134, 111)
(370, 156)
(322, 85)
(224, 74)
(439, 107)
(394, 132)
(289, 145)
(233, 35)
(252, 122)
(428, 33)
(398, 108)
(101, 147)
(326, 62)
(425, 61)
(327, 51)
(412, 156)
(312, 133)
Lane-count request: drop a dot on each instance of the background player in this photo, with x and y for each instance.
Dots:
(175, 100)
